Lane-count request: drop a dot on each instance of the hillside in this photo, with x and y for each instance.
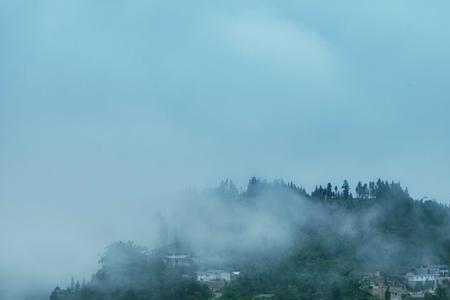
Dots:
(284, 242)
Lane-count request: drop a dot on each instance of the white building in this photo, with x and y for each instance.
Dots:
(441, 270)
(421, 277)
(178, 260)
(213, 275)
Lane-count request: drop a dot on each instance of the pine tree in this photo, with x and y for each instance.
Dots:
(55, 293)
(358, 190)
(387, 294)
(329, 192)
(345, 189)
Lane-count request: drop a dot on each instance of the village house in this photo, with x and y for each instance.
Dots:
(441, 270)
(398, 293)
(427, 277)
(437, 270)
(178, 260)
(216, 279)
(412, 284)
(413, 278)
(212, 275)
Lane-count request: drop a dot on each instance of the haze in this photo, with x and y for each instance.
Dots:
(109, 109)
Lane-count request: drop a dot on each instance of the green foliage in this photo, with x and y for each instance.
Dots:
(128, 273)
(313, 273)
(441, 294)
(324, 267)
(387, 229)
(387, 294)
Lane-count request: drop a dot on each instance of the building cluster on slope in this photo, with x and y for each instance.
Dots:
(215, 279)
(413, 283)
(174, 256)
(177, 255)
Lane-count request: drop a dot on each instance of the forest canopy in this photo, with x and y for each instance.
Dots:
(335, 234)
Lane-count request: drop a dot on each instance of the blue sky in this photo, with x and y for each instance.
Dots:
(120, 101)
(126, 97)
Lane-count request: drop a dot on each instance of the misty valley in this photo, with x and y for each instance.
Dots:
(275, 240)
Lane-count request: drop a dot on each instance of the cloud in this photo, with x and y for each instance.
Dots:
(115, 102)
(275, 40)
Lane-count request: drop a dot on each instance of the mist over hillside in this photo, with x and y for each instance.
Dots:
(119, 120)
(277, 235)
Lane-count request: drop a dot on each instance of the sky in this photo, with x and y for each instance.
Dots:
(108, 105)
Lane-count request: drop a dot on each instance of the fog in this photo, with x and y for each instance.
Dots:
(112, 111)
